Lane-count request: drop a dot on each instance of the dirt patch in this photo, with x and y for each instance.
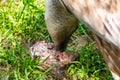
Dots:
(50, 57)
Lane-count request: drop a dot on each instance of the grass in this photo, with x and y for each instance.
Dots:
(22, 24)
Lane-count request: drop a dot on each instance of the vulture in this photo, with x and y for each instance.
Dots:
(101, 16)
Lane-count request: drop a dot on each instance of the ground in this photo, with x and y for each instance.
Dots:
(21, 25)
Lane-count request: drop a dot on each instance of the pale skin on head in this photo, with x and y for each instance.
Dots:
(102, 17)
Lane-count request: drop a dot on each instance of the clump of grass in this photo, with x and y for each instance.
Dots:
(89, 65)
(22, 22)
